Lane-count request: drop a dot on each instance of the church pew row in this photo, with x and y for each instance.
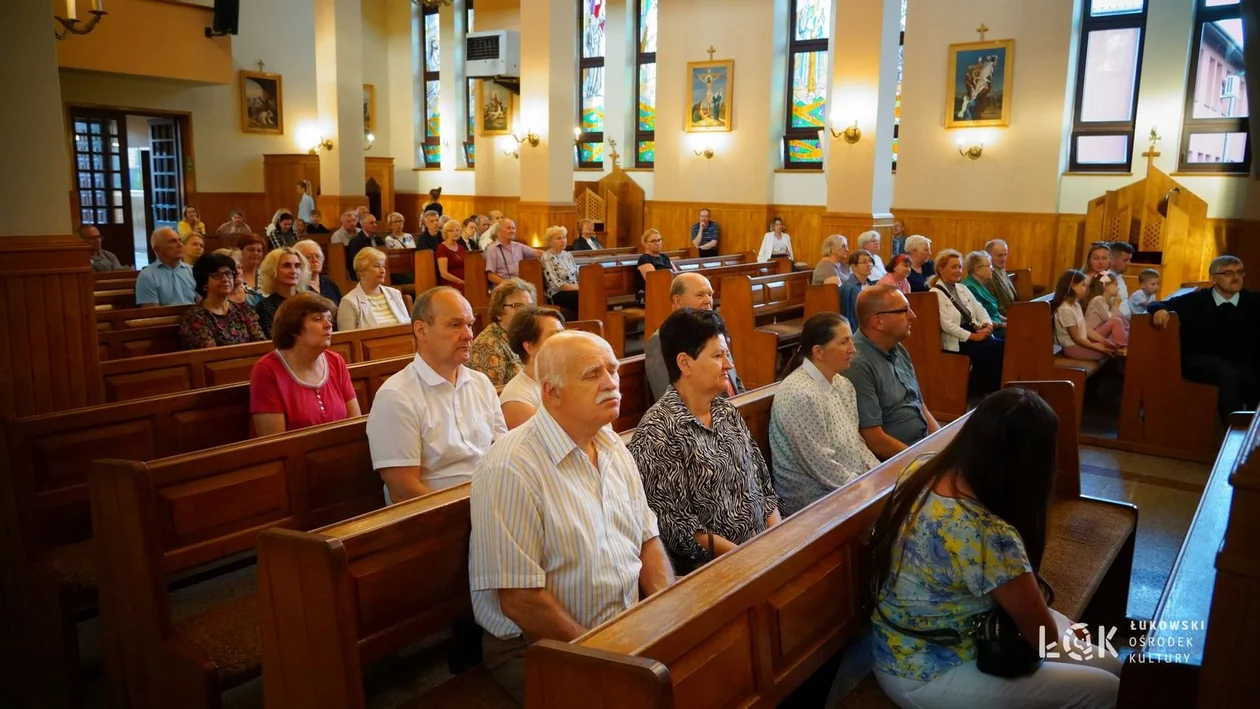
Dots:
(657, 305)
(47, 552)
(1032, 353)
(1168, 667)
(751, 627)
(153, 520)
(420, 264)
(138, 342)
(131, 318)
(112, 280)
(606, 292)
(765, 314)
(116, 298)
(153, 375)
(1021, 278)
(943, 376)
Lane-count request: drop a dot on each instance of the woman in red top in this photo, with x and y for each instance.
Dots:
(302, 383)
(450, 257)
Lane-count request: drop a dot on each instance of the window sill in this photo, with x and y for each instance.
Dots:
(638, 169)
(1196, 173)
(588, 169)
(426, 169)
(801, 170)
(1083, 173)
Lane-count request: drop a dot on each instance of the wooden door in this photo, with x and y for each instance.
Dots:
(102, 183)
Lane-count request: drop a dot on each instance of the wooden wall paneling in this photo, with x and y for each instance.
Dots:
(534, 218)
(507, 205)
(381, 170)
(331, 206)
(1069, 250)
(215, 208)
(411, 206)
(49, 361)
(804, 224)
(1031, 236)
(1237, 237)
(742, 225)
(281, 173)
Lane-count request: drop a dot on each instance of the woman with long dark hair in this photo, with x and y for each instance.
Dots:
(815, 446)
(961, 535)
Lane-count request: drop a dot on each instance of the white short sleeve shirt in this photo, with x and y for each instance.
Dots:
(524, 389)
(1064, 318)
(420, 419)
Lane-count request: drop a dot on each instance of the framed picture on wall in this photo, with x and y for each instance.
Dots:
(710, 96)
(496, 109)
(262, 103)
(369, 109)
(980, 76)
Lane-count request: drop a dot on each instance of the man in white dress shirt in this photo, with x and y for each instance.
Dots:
(562, 535)
(432, 422)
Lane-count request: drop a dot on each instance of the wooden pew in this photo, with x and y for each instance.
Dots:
(765, 313)
(751, 627)
(421, 264)
(131, 318)
(943, 376)
(116, 298)
(47, 561)
(607, 289)
(338, 268)
(600, 253)
(1160, 412)
(657, 305)
(157, 519)
(153, 375)
(1169, 665)
(1033, 355)
(138, 342)
(114, 280)
(1021, 278)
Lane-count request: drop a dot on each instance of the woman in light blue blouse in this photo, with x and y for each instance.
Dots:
(306, 203)
(963, 534)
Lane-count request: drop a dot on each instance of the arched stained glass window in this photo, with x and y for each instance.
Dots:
(591, 40)
(808, 73)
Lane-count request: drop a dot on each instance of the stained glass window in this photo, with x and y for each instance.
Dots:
(430, 153)
(901, 60)
(590, 118)
(808, 72)
(470, 90)
(645, 86)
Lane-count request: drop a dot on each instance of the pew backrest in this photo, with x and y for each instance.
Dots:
(130, 318)
(943, 376)
(138, 342)
(657, 305)
(751, 304)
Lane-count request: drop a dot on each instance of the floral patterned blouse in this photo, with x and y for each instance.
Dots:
(493, 357)
(558, 270)
(201, 328)
(950, 556)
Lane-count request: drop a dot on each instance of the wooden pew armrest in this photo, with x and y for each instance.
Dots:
(623, 680)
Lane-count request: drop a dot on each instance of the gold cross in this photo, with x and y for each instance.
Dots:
(1151, 153)
(982, 29)
(711, 52)
(614, 154)
(260, 65)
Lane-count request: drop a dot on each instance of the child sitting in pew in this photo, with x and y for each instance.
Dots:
(1103, 313)
(1147, 294)
(1071, 330)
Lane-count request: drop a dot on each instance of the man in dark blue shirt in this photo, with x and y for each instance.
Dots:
(705, 233)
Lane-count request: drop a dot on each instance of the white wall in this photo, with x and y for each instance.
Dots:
(227, 160)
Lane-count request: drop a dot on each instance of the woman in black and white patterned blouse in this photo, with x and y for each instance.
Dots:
(703, 474)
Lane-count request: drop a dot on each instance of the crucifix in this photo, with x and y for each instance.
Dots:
(613, 155)
(711, 52)
(1151, 153)
(260, 66)
(982, 29)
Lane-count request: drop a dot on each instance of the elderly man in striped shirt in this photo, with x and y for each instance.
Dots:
(562, 535)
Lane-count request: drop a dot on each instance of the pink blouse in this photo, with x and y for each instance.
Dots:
(890, 279)
(273, 390)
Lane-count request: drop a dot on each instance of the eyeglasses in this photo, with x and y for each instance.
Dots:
(515, 305)
(899, 311)
(1231, 273)
(223, 275)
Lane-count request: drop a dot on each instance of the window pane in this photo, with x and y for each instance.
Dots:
(809, 90)
(432, 56)
(805, 151)
(1102, 8)
(1217, 3)
(470, 154)
(647, 26)
(472, 108)
(1111, 59)
(471, 17)
(592, 28)
(86, 215)
(1217, 147)
(432, 154)
(1102, 149)
(591, 152)
(647, 151)
(813, 19)
(647, 97)
(593, 100)
(1220, 86)
(432, 117)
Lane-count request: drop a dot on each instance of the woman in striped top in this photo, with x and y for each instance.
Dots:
(371, 303)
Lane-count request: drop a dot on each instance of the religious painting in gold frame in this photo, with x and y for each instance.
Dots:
(496, 109)
(369, 108)
(710, 96)
(262, 103)
(979, 84)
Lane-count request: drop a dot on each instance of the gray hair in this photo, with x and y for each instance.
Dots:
(309, 244)
(349, 212)
(422, 310)
(493, 231)
(831, 244)
(865, 238)
(918, 241)
(975, 259)
(554, 231)
(1221, 261)
(551, 364)
(428, 212)
(992, 244)
(158, 233)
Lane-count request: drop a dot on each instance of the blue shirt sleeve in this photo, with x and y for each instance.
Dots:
(146, 288)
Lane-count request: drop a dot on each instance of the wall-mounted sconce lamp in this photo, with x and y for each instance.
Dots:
(530, 137)
(851, 135)
(707, 152)
(369, 139)
(322, 144)
(70, 23)
(577, 136)
(974, 152)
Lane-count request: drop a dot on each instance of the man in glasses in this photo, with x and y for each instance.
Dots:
(891, 412)
(1220, 335)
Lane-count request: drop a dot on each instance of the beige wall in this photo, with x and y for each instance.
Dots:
(227, 160)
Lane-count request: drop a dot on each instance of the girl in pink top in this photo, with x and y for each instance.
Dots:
(302, 383)
(898, 270)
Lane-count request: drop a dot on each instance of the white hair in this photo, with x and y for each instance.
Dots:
(551, 364)
(158, 234)
(917, 241)
(830, 244)
(865, 238)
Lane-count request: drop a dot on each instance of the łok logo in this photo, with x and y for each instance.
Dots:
(1077, 644)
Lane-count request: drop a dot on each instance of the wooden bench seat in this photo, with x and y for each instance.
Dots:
(47, 552)
(943, 376)
(130, 318)
(116, 298)
(765, 314)
(173, 372)
(751, 627)
(113, 280)
(657, 303)
(153, 339)
(1033, 355)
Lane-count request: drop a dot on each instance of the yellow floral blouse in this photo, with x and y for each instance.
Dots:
(492, 356)
(950, 556)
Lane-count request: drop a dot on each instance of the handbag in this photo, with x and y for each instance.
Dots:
(684, 566)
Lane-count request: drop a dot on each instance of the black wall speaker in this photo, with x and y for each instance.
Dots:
(226, 18)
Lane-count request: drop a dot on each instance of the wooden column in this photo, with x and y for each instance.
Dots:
(48, 360)
(281, 173)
